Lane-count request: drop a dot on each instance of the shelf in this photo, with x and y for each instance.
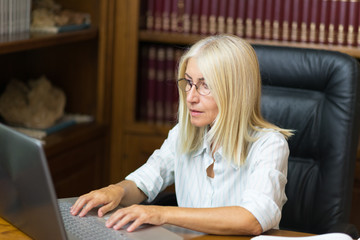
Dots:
(71, 137)
(28, 41)
(186, 39)
(148, 129)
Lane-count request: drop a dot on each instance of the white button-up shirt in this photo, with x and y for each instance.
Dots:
(258, 185)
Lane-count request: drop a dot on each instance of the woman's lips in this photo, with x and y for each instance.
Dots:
(195, 113)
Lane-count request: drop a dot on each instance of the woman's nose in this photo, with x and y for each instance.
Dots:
(192, 94)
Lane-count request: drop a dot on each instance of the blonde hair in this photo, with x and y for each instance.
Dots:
(231, 70)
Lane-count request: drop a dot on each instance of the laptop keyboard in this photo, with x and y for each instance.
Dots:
(89, 227)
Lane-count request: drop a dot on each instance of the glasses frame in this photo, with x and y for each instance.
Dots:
(191, 85)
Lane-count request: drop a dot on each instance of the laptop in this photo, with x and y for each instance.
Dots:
(28, 199)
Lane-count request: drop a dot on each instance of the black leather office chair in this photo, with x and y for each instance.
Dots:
(317, 94)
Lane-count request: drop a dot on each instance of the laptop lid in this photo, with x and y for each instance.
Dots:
(28, 198)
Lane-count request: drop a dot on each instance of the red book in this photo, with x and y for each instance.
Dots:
(324, 21)
(214, 7)
(150, 14)
(358, 29)
(269, 19)
(143, 83)
(296, 20)
(175, 101)
(286, 20)
(231, 16)
(160, 85)
(151, 90)
(204, 17)
(241, 18)
(315, 14)
(333, 22)
(158, 11)
(187, 16)
(250, 19)
(259, 19)
(277, 19)
(343, 22)
(195, 18)
(222, 16)
(174, 16)
(170, 84)
(166, 15)
(305, 21)
(353, 22)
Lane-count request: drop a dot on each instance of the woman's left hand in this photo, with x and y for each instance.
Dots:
(138, 214)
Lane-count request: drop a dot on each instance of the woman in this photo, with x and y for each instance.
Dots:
(228, 164)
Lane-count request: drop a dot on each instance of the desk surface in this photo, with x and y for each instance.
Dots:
(8, 231)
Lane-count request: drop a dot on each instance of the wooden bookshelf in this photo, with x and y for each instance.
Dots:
(76, 62)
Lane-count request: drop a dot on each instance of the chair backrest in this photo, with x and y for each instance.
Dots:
(315, 93)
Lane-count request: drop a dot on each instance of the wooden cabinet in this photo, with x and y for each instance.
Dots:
(77, 63)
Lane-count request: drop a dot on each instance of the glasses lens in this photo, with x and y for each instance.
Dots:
(183, 84)
(203, 89)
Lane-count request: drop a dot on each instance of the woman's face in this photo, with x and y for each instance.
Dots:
(203, 109)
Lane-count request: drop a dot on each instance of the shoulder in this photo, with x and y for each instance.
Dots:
(269, 138)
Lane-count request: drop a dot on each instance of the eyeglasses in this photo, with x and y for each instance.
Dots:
(186, 85)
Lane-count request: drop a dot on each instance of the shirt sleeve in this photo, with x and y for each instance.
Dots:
(158, 172)
(265, 195)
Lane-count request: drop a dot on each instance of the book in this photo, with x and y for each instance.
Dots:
(241, 18)
(158, 14)
(259, 19)
(250, 19)
(324, 21)
(353, 22)
(286, 20)
(60, 29)
(150, 14)
(314, 21)
(277, 19)
(187, 16)
(66, 121)
(342, 23)
(142, 85)
(205, 12)
(174, 16)
(214, 7)
(269, 19)
(333, 22)
(221, 18)
(296, 20)
(231, 16)
(170, 84)
(151, 89)
(305, 21)
(195, 18)
(180, 15)
(160, 85)
(166, 15)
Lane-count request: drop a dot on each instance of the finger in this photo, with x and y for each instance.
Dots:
(79, 204)
(125, 220)
(114, 218)
(134, 225)
(106, 208)
(90, 205)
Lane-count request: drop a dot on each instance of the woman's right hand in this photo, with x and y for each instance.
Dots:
(109, 197)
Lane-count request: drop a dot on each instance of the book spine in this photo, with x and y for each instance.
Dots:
(353, 22)
(174, 16)
(213, 16)
(170, 84)
(160, 86)
(143, 82)
(286, 20)
(180, 15)
(150, 14)
(324, 21)
(241, 18)
(277, 19)
(204, 18)
(221, 18)
(305, 21)
(250, 19)
(269, 19)
(195, 27)
(231, 16)
(296, 20)
(2, 13)
(187, 16)
(314, 21)
(158, 15)
(333, 22)
(342, 24)
(166, 15)
(175, 100)
(358, 28)
(259, 19)
(151, 90)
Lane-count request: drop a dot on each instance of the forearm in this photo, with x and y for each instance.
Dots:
(223, 220)
(132, 194)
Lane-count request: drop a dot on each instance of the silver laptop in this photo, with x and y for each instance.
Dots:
(28, 199)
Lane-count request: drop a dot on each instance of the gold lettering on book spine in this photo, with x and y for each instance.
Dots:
(174, 22)
(294, 31)
(166, 21)
(195, 23)
(203, 24)
(240, 27)
(258, 28)
(276, 28)
(186, 20)
(350, 35)
(341, 34)
(358, 37)
(331, 33)
(312, 36)
(322, 33)
(230, 25)
(285, 33)
(267, 29)
(249, 27)
(221, 24)
(212, 24)
(304, 32)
